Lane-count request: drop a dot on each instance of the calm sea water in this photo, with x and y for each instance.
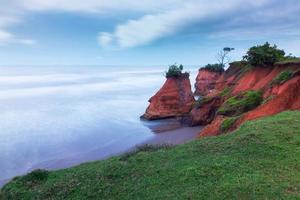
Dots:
(55, 117)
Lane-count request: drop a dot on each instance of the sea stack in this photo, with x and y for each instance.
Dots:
(174, 99)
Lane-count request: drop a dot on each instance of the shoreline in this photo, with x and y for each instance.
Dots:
(169, 133)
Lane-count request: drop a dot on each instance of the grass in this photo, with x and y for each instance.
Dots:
(289, 61)
(236, 105)
(227, 123)
(282, 77)
(260, 160)
(226, 92)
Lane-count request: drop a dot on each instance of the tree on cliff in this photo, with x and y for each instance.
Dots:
(223, 56)
(264, 55)
(175, 71)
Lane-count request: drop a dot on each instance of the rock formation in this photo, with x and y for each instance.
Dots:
(206, 81)
(174, 99)
(239, 79)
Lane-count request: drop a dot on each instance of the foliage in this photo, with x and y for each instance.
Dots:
(227, 123)
(144, 148)
(223, 57)
(266, 100)
(240, 63)
(215, 67)
(289, 60)
(226, 92)
(258, 161)
(175, 71)
(264, 55)
(241, 103)
(283, 77)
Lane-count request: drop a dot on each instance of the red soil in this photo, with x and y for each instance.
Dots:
(288, 98)
(213, 128)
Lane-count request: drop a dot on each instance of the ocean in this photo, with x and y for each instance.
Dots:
(54, 117)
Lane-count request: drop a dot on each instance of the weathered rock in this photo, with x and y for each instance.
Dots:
(213, 129)
(286, 97)
(175, 98)
(205, 113)
(206, 82)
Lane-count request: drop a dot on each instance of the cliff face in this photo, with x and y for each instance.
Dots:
(236, 81)
(175, 98)
(206, 82)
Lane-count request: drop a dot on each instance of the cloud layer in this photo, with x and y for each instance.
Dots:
(159, 19)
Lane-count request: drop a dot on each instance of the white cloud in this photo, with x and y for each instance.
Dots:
(5, 36)
(155, 26)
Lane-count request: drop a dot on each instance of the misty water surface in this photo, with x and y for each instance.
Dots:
(54, 117)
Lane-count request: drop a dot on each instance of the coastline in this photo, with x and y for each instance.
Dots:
(164, 132)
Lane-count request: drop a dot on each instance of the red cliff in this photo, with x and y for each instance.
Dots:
(206, 81)
(175, 98)
(277, 98)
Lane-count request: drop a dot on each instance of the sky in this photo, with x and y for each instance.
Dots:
(142, 32)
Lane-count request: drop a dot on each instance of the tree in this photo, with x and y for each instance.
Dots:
(223, 57)
(264, 55)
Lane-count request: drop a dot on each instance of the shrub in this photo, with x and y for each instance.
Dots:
(145, 148)
(241, 103)
(214, 67)
(283, 77)
(175, 71)
(264, 55)
(227, 123)
(225, 92)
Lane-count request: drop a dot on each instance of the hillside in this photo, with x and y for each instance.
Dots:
(260, 160)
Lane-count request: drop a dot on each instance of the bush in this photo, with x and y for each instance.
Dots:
(283, 77)
(241, 103)
(145, 148)
(228, 123)
(264, 55)
(226, 92)
(214, 67)
(175, 71)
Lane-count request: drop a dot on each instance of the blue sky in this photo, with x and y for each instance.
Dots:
(135, 32)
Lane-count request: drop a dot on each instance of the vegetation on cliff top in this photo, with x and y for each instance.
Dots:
(176, 71)
(258, 161)
(241, 103)
(264, 55)
(214, 67)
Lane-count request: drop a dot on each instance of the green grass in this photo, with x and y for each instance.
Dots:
(243, 102)
(226, 92)
(282, 77)
(227, 123)
(261, 160)
(289, 61)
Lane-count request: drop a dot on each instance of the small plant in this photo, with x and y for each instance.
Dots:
(264, 55)
(34, 177)
(241, 103)
(144, 148)
(228, 123)
(175, 71)
(225, 92)
(214, 67)
(283, 77)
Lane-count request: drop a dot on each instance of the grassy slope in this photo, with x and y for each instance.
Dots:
(261, 160)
